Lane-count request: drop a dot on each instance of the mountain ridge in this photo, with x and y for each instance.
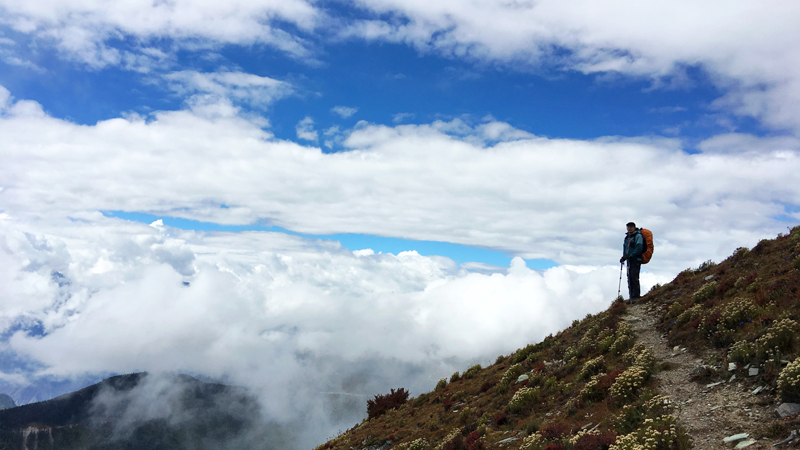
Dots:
(608, 381)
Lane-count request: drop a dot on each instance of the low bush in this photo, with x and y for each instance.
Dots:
(383, 403)
(441, 384)
(471, 372)
(789, 382)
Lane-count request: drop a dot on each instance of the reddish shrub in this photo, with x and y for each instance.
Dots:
(617, 308)
(447, 403)
(696, 323)
(474, 441)
(555, 446)
(457, 443)
(501, 418)
(595, 441)
(713, 319)
(383, 403)
(607, 381)
(555, 430)
(486, 386)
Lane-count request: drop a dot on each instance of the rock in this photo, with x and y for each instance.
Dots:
(788, 409)
(735, 437)
(676, 348)
(587, 426)
(731, 366)
(733, 377)
(757, 390)
(715, 384)
(753, 371)
(522, 378)
(746, 443)
(508, 440)
(709, 277)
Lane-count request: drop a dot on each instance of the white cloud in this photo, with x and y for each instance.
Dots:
(747, 48)
(262, 308)
(402, 117)
(305, 129)
(84, 30)
(489, 185)
(238, 86)
(344, 111)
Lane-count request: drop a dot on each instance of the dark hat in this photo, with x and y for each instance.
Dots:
(631, 224)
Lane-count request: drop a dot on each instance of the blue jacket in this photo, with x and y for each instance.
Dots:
(633, 247)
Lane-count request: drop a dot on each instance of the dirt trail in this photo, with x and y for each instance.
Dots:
(709, 414)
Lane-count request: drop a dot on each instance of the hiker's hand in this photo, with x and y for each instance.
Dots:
(622, 260)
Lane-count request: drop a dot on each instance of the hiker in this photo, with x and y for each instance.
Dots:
(632, 250)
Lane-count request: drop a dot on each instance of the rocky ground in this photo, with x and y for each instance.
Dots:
(710, 402)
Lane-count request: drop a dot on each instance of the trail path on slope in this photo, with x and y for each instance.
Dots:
(708, 414)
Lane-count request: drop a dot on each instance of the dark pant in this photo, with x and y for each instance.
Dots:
(633, 278)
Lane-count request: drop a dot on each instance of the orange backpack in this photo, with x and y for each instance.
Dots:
(648, 243)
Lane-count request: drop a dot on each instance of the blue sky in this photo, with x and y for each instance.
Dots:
(506, 144)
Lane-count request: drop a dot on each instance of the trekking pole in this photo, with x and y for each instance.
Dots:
(619, 288)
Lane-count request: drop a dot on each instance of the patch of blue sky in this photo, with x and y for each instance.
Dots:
(352, 241)
(790, 214)
(383, 80)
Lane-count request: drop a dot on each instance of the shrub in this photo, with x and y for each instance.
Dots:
(779, 336)
(789, 381)
(591, 367)
(455, 377)
(705, 292)
(739, 311)
(592, 440)
(705, 266)
(452, 435)
(591, 390)
(655, 434)
(741, 352)
(533, 442)
(441, 384)
(628, 383)
(555, 430)
(501, 418)
(522, 397)
(418, 444)
(690, 314)
(472, 371)
(511, 374)
(796, 262)
(640, 356)
(383, 403)
(628, 419)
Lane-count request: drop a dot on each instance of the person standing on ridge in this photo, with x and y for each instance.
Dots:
(632, 250)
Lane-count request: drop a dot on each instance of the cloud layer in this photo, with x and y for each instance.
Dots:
(305, 324)
(485, 184)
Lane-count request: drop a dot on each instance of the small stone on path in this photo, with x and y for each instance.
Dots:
(736, 437)
(746, 443)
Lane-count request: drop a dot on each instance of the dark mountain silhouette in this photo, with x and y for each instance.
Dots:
(141, 411)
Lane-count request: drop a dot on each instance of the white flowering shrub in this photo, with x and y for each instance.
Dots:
(471, 372)
(628, 383)
(522, 397)
(741, 352)
(654, 434)
(624, 339)
(450, 436)
(533, 442)
(511, 374)
(591, 367)
(789, 381)
(690, 314)
(417, 444)
(705, 292)
(779, 336)
(739, 311)
(591, 390)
